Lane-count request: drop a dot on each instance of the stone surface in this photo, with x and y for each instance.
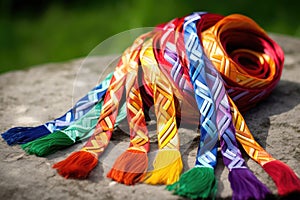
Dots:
(39, 94)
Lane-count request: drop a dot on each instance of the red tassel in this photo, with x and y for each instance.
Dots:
(78, 165)
(130, 167)
(285, 179)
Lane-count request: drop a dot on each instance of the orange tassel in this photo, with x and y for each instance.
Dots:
(130, 167)
(78, 165)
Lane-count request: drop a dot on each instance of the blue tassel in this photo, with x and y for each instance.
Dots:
(22, 135)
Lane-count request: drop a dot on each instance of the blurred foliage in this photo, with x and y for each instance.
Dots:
(40, 31)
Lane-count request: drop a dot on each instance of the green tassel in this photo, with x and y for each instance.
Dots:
(198, 182)
(48, 144)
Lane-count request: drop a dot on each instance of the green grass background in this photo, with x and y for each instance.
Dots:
(41, 31)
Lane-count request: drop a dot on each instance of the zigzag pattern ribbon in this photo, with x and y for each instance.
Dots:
(231, 154)
(178, 75)
(99, 140)
(246, 139)
(228, 66)
(246, 86)
(84, 127)
(202, 55)
(23, 135)
(135, 113)
(137, 123)
(207, 150)
(251, 64)
(163, 99)
(80, 108)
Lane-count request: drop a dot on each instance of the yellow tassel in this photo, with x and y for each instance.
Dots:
(167, 168)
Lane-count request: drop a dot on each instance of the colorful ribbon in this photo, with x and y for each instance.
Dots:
(220, 65)
(211, 86)
(21, 135)
(131, 166)
(167, 164)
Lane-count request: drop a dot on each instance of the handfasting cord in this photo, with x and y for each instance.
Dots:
(264, 61)
(203, 172)
(131, 166)
(79, 164)
(79, 130)
(199, 181)
(284, 177)
(62, 138)
(167, 164)
(248, 60)
(170, 65)
(244, 184)
(21, 135)
(222, 65)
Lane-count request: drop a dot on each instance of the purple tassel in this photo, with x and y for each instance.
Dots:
(246, 186)
(22, 135)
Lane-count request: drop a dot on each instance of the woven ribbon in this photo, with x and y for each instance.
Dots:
(202, 69)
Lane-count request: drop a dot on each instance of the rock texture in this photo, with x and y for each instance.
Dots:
(34, 96)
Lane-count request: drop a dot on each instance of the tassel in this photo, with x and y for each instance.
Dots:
(198, 182)
(130, 167)
(48, 144)
(78, 165)
(246, 186)
(167, 167)
(285, 179)
(22, 135)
